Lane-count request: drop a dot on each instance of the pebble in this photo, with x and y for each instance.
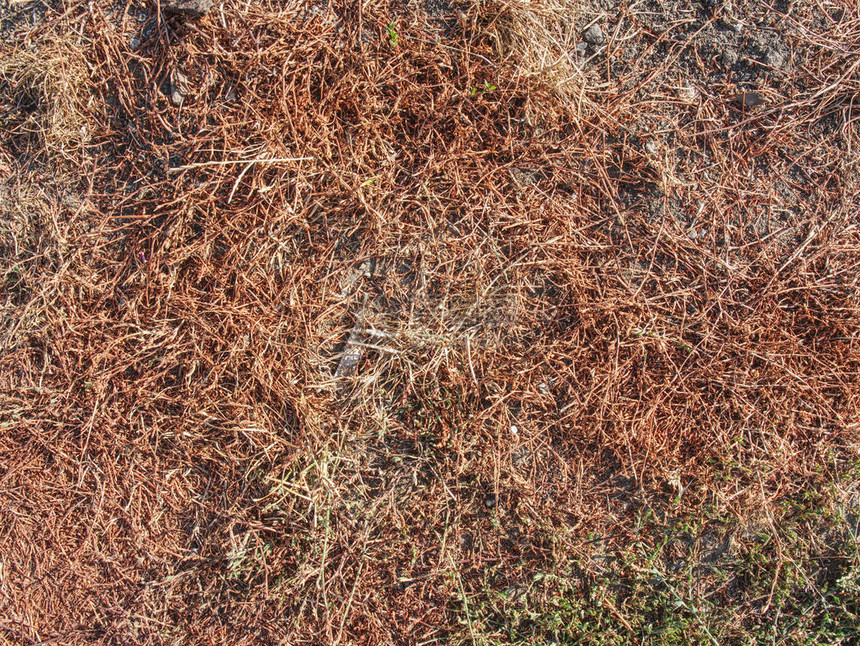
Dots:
(178, 87)
(773, 58)
(594, 35)
(748, 99)
(192, 8)
(688, 94)
(729, 57)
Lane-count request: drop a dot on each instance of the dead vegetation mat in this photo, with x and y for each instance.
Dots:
(393, 323)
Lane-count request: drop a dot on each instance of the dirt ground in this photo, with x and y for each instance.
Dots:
(416, 322)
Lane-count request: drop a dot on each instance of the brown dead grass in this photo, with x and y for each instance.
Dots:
(47, 94)
(538, 40)
(546, 315)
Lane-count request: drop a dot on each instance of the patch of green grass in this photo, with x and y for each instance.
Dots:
(792, 581)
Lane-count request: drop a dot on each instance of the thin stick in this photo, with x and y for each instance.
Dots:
(469, 356)
(229, 162)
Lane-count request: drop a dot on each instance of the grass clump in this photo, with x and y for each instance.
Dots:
(48, 106)
(540, 39)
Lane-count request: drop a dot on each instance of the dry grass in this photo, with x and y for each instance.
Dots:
(538, 42)
(46, 95)
(834, 62)
(364, 326)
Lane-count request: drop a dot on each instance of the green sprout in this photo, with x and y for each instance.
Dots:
(488, 87)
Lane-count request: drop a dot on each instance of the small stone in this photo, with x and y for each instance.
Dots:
(775, 59)
(748, 99)
(594, 35)
(191, 8)
(729, 57)
(581, 48)
(178, 87)
(688, 94)
(651, 148)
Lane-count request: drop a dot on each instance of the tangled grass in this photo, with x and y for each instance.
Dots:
(358, 324)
